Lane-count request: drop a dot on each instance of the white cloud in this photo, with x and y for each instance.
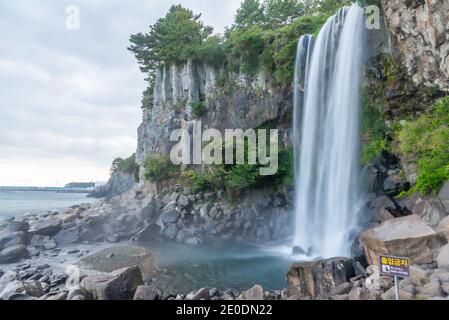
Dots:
(69, 100)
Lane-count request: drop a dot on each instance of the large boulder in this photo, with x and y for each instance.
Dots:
(170, 217)
(16, 287)
(13, 254)
(407, 236)
(443, 258)
(145, 293)
(318, 278)
(150, 232)
(443, 228)
(15, 226)
(68, 236)
(48, 227)
(202, 294)
(256, 293)
(430, 211)
(8, 239)
(118, 285)
(43, 242)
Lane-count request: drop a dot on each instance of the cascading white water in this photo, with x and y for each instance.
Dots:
(326, 133)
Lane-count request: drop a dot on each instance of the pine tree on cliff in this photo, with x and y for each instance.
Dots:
(172, 39)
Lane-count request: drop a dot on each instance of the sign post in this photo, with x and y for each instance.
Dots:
(396, 267)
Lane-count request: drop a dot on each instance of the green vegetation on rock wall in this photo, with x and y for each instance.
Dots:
(425, 141)
(231, 178)
(263, 39)
(128, 166)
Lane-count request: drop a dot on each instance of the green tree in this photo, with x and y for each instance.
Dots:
(282, 12)
(250, 13)
(172, 39)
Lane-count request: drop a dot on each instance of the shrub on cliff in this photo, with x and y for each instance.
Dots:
(426, 142)
(158, 169)
(128, 166)
(199, 108)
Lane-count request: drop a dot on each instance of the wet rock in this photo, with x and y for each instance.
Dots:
(47, 227)
(171, 232)
(30, 288)
(407, 236)
(395, 184)
(15, 226)
(194, 241)
(13, 254)
(67, 236)
(9, 239)
(443, 258)
(149, 233)
(145, 293)
(118, 285)
(202, 294)
(297, 250)
(151, 211)
(11, 288)
(170, 217)
(43, 242)
(317, 279)
(75, 291)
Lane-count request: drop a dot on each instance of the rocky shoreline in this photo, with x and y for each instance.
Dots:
(91, 251)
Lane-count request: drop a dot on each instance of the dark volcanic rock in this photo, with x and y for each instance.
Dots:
(170, 217)
(8, 239)
(13, 254)
(149, 233)
(317, 279)
(67, 236)
(43, 242)
(15, 226)
(48, 227)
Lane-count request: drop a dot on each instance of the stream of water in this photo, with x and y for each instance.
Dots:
(328, 78)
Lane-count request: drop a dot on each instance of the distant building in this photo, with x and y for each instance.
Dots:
(80, 185)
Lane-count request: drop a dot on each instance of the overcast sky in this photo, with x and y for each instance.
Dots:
(70, 99)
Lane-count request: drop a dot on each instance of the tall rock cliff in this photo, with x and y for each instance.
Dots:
(419, 31)
(239, 102)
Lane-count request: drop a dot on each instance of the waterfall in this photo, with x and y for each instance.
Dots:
(328, 75)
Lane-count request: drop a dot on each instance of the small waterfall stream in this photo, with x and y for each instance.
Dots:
(328, 76)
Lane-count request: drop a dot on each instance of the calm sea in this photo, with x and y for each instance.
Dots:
(19, 203)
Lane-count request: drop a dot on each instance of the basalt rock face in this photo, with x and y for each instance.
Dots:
(118, 183)
(246, 102)
(318, 279)
(420, 38)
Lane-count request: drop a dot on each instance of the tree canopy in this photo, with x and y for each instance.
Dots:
(172, 39)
